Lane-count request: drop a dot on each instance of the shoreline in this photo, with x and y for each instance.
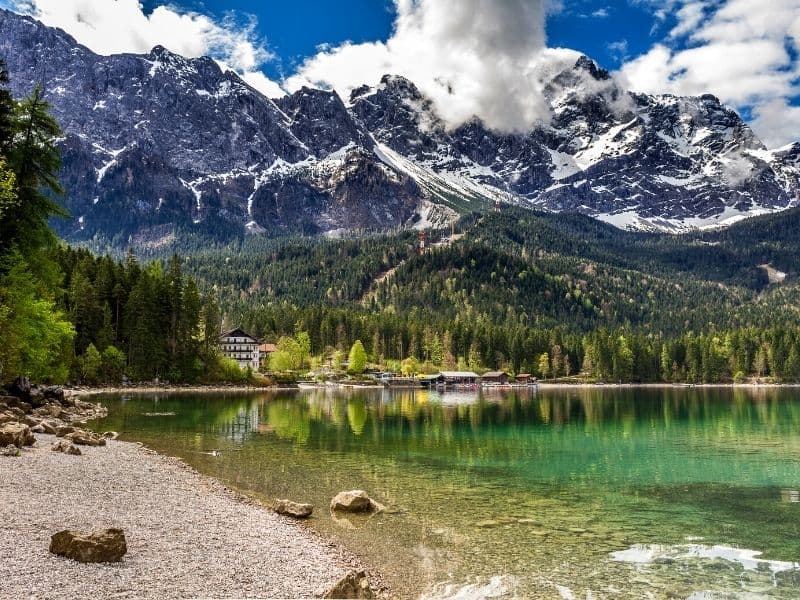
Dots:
(188, 534)
(79, 392)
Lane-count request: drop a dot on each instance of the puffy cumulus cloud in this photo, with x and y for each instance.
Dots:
(744, 52)
(484, 58)
(110, 27)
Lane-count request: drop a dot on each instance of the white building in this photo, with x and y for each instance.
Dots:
(241, 347)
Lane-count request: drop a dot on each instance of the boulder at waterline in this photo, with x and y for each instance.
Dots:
(10, 450)
(17, 434)
(353, 585)
(107, 545)
(293, 509)
(352, 501)
(65, 447)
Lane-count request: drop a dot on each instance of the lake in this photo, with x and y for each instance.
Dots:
(568, 493)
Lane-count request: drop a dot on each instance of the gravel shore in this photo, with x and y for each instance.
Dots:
(187, 535)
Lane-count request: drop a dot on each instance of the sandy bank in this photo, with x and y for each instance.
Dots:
(187, 535)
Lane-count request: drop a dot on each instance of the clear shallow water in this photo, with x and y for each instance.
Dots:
(663, 493)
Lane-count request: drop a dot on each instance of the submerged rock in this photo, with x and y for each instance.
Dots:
(107, 545)
(353, 585)
(17, 434)
(355, 501)
(293, 509)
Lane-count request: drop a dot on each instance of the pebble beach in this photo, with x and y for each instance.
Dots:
(188, 536)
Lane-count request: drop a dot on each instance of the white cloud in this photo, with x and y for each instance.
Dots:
(110, 27)
(735, 49)
(689, 17)
(482, 58)
(776, 121)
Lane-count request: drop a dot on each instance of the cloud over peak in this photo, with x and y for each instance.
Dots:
(479, 58)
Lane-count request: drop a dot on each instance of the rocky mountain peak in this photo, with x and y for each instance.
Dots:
(159, 142)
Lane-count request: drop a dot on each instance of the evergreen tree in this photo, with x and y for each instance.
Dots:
(357, 359)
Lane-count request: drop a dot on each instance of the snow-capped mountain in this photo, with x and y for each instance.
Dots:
(158, 140)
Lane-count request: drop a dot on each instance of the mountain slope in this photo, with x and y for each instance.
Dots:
(157, 144)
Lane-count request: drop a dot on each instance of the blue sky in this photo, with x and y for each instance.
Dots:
(492, 53)
(294, 30)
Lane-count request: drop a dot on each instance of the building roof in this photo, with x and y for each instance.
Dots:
(459, 374)
(237, 333)
(495, 374)
(524, 375)
(267, 348)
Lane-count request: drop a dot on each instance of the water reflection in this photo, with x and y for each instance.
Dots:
(536, 488)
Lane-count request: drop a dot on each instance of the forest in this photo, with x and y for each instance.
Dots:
(560, 296)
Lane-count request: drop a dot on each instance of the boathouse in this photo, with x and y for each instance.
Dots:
(459, 378)
(495, 378)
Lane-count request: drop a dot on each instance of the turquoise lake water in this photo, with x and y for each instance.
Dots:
(577, 493)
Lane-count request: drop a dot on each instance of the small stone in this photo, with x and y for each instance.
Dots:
(110, 435)
(486, 524)
(64, 430)
(353, 585)
(293, 509)
(85, 438)
(65, 447)
(37, 429)
(10, 450)
(107, 545)
(48, 427)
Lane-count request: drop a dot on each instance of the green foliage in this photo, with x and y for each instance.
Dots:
(357, 359)
(113, 364)
(36, 337)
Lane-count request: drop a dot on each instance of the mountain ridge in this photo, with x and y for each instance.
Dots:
(157, 141)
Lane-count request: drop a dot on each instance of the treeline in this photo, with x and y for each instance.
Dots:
(405, 343)
(141, 322)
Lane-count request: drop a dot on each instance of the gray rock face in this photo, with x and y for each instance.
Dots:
(158, 144)
(102, 546)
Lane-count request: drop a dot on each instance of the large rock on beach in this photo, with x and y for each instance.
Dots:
(293, 509)
(353, 585)
(355, 501)
(107, 545)
(17, 434)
